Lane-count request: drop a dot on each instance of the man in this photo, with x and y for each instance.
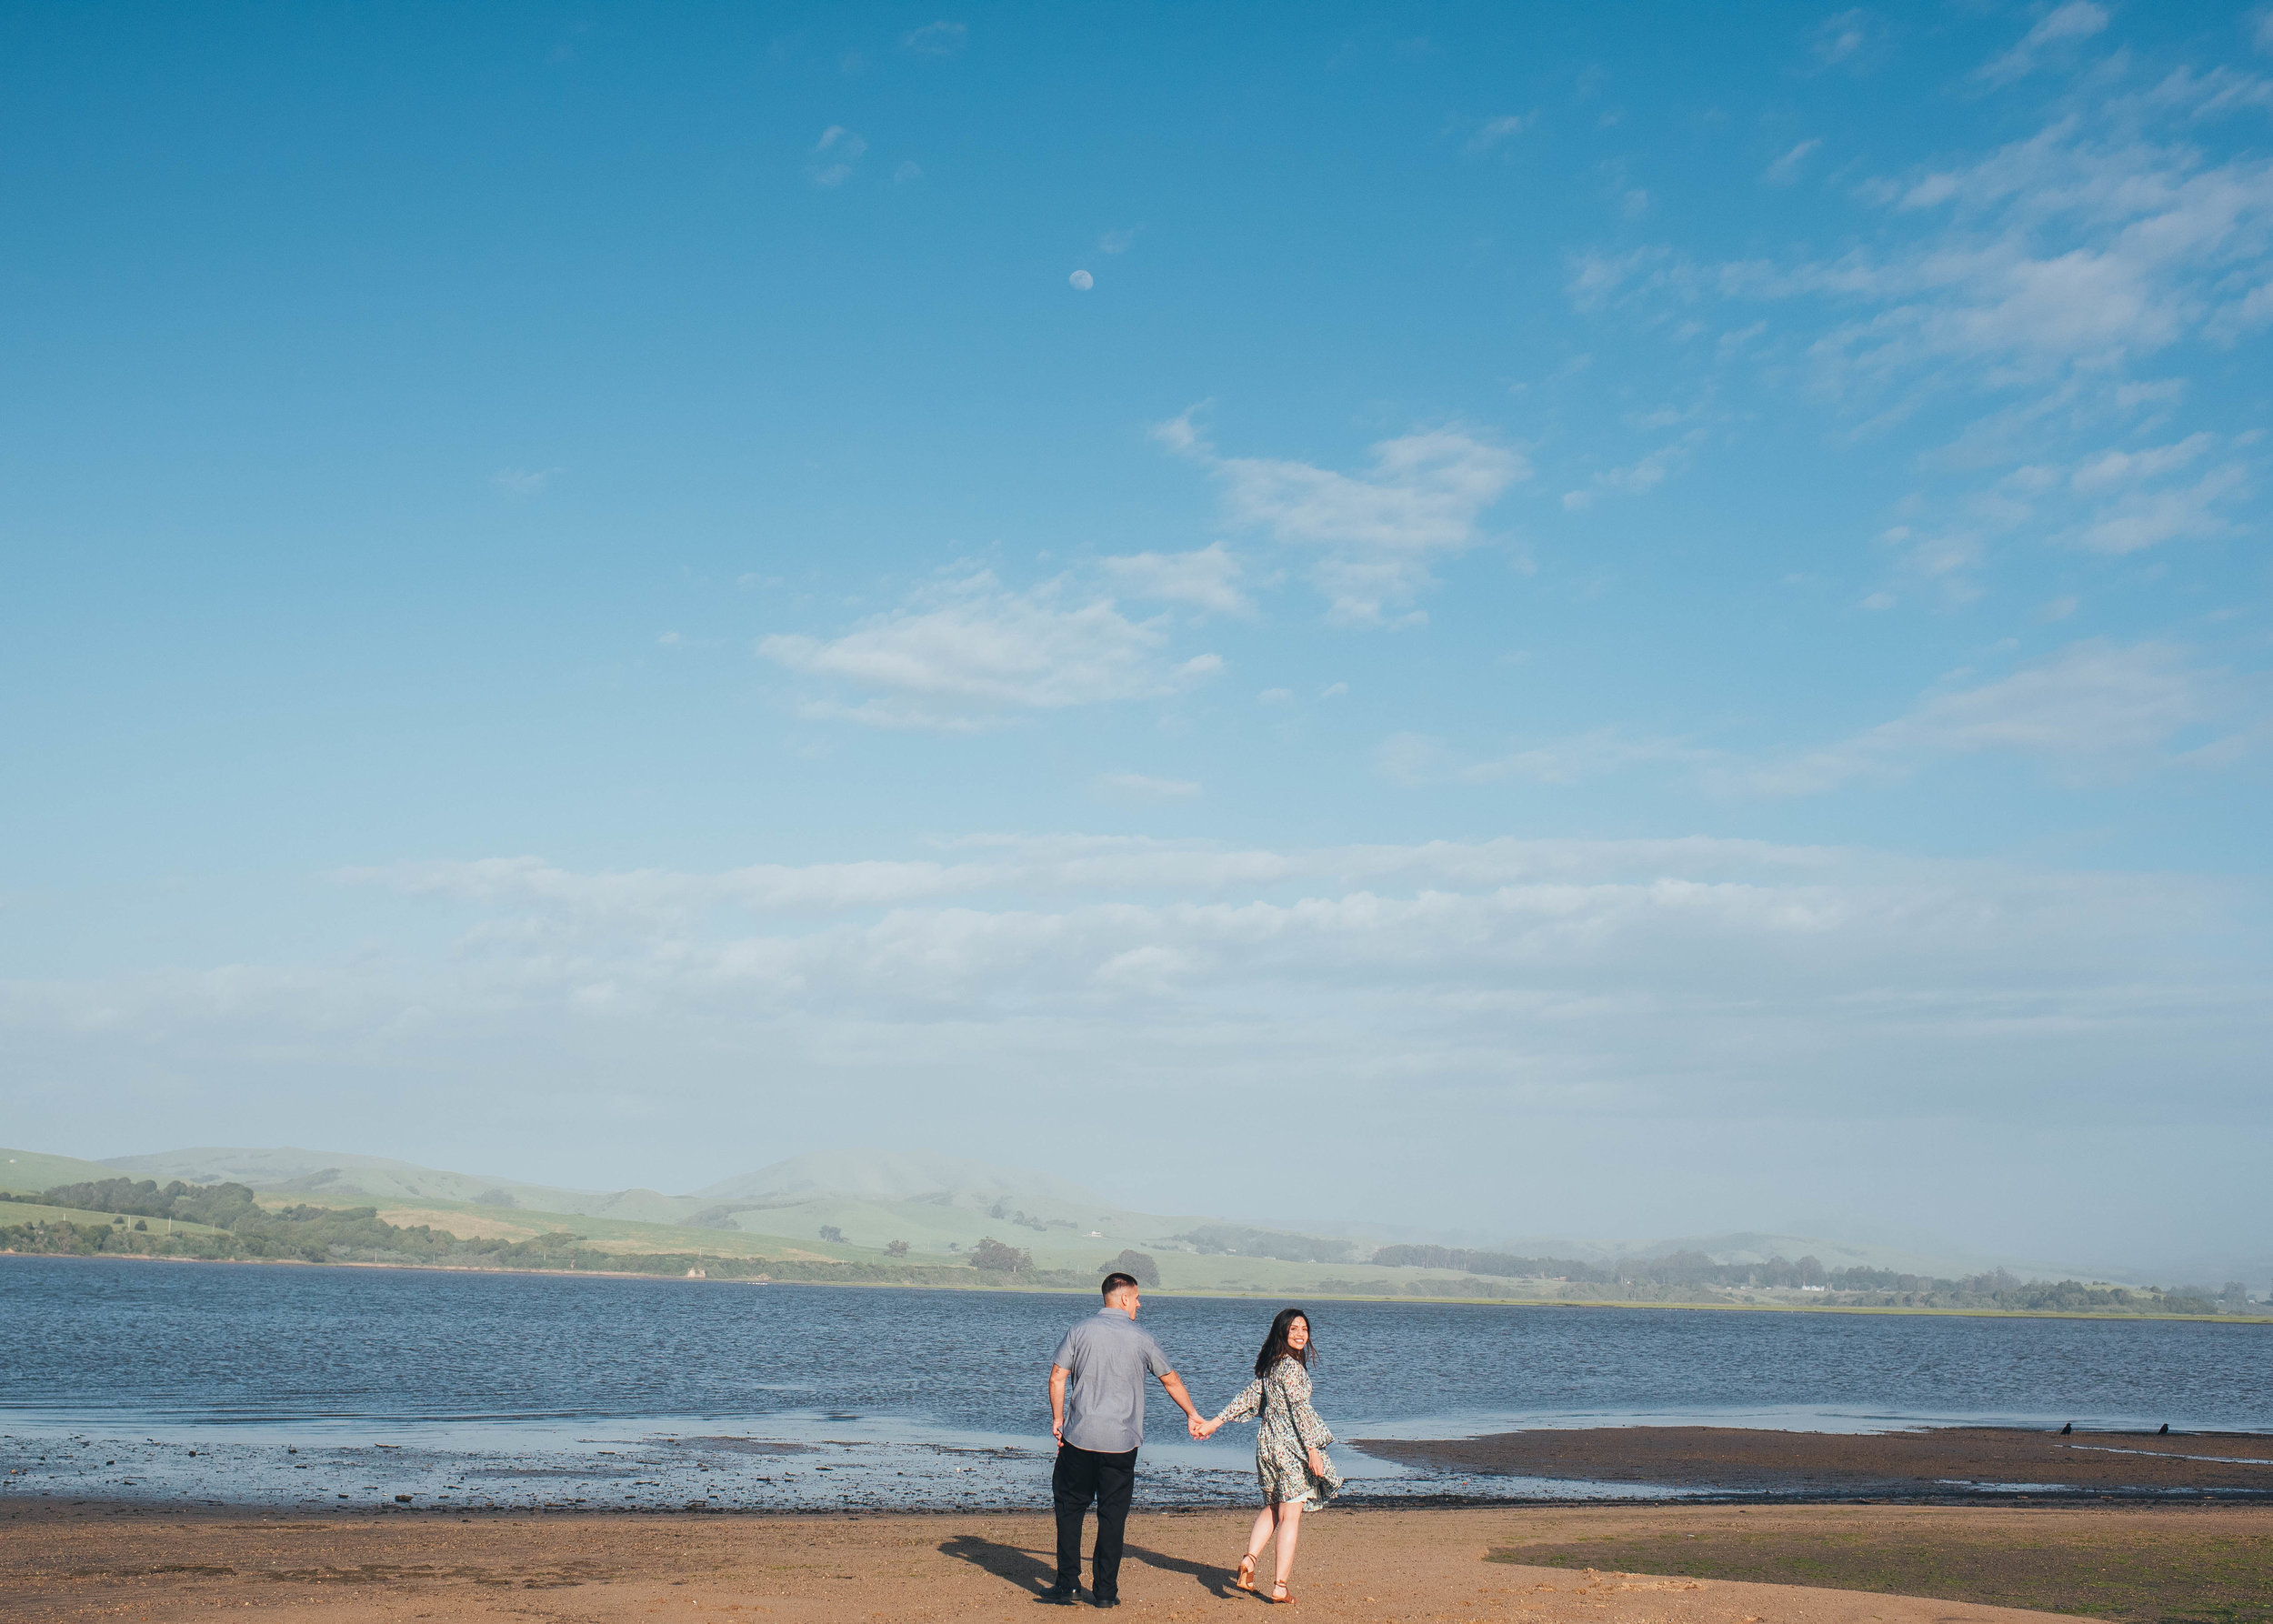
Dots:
(1097, 1414)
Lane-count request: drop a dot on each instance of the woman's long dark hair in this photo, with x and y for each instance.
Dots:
(1275, 1347)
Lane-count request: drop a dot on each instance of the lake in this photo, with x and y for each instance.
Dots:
(315, 1385)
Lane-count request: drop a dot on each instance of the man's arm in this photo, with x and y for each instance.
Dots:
(1057, 1402)
(1174, 1386)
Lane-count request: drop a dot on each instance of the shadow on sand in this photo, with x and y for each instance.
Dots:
(1029, 1571)
(1034, 1572)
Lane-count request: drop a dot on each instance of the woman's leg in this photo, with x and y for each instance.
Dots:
(1289, 1530)
(1260, 1535)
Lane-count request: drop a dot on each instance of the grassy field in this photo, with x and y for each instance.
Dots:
(30, 1171)
(35, 1212)
(2192, 1565)
(1063, 1266)
(940, 1235)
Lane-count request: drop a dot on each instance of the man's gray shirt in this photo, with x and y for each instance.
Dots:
(1107, 1357)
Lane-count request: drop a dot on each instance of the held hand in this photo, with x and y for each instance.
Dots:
(1194, 1426)
(1057, 1427)
(1318, 1463)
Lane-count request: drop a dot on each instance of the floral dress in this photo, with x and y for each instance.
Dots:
(1289, 1428)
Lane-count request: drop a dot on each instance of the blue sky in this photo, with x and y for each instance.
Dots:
(1622, 620)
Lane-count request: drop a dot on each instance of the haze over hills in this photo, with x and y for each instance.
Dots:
(946, 1203)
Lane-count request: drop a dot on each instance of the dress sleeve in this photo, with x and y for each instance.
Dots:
(1248, 1402)
(1295, 1384)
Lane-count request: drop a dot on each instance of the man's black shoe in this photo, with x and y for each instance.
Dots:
(1104, 1601)
(1059, 1596)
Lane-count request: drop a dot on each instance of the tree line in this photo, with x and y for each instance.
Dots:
(238, 1230)
(1859, 1287)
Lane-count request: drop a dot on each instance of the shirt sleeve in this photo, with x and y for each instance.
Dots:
(1155, 1361)
(1064, 1358)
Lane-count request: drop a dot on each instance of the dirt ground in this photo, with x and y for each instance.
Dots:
(1650, 1565)
(2151, 1565)
(1937, 1462)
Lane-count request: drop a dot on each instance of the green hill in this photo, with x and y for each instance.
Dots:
(32, 1171)
(867, 1216)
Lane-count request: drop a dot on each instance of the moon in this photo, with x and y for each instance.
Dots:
(1082, 280)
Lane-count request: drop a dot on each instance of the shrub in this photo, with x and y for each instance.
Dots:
(991, 1256)
(1139, 1266)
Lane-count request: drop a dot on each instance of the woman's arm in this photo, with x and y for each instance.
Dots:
(1248, 1402)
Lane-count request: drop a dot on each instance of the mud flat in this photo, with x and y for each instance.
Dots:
(1936, 1463)
(1551, 1565)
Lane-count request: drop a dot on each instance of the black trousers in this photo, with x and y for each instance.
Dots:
(1082, 1476)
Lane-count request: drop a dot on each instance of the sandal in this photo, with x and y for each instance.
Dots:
(1244, 1577)
(1281, 1596)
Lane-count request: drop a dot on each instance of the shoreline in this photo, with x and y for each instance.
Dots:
(677, 1473)
(1400, 1298)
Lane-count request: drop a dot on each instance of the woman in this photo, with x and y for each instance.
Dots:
(1289, 1446)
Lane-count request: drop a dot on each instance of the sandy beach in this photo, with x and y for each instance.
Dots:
(1544, 1565)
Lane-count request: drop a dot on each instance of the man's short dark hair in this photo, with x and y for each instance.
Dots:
(1118, 1282)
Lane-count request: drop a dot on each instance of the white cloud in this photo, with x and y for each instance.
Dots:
(968, 652)
(2083, 248)
(1492, 131)
(938, 39)
(1142, 786)
(2144, 518)
(1600, 978)
(1747, 997)
(1118, 241)
(2048, 271)
(2057, 29)
(522, 482)
(1206, 579)
(1640, 477)
(1412, 760)
(1855, 40)
(1786, 169)
(1374, 532)
(2115, 468)
(2094, 711)
(835, 155)
(1587, 757)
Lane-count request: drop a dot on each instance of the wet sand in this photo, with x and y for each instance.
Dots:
(1937, 1463)
(98, 1561)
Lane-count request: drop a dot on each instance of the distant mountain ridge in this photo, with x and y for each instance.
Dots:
(901, 1191)
(899, 1176)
